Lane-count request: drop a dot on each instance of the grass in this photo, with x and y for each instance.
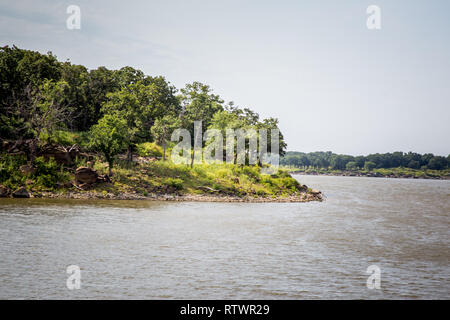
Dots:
(162, 177)
(224, 179)
(149, 149)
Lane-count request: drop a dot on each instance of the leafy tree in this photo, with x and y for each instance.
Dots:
(140, 105)
(162, 130)
(38, 111)
(351, 165)
(414, 164)
(369, 165)
(101, 81)
(438, 163)
(76, 98)
(22, 72)
(109, 137)
(198, 104)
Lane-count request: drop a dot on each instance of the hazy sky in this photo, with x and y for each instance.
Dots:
(334, 84)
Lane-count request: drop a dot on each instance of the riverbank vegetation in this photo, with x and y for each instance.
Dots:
(66, 129)
(396, 164)
(148, 177)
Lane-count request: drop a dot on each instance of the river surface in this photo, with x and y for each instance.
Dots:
(181, 250)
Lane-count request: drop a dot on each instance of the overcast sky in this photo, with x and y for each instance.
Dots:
(332, 83)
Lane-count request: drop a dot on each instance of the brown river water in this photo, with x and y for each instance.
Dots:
(182, 250)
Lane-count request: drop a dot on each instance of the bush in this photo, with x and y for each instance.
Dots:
(10, 175)
(174, 183)
(48, 173)
(67, 138)
(149, 149)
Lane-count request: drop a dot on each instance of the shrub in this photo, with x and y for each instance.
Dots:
(48, 173)
(174, 183)
(10, 175)
(149, 149)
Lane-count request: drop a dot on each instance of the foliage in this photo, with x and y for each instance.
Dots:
(47, 173)
(369, 165)
(329, 160)
(162, 130)
(108, 136)
(149, 149)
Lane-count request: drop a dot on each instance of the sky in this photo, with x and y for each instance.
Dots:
(334, 84)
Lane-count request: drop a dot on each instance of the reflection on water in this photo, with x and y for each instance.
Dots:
(143, 249)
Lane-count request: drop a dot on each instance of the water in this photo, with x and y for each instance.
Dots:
(165, 250)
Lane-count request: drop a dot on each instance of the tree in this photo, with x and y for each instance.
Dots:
(140, 104)
(38, 111)
(76, 98)
(413, 164)
(369, 165)
(437, 163)
(198, 104)
(351, 166)
(109, 137)
(22, 74)
(162, 129)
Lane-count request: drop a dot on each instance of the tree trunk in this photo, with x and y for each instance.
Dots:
(130, 153)
(164, 152)
(110, 165)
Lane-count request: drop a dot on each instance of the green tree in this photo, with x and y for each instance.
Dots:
(22, 72)
(162, 129)
(109, 137)
(140, 104)
(198, 104)
(351, 166)
(369, 165)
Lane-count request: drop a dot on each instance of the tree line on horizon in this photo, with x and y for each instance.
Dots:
(118, 109)
(330, 160)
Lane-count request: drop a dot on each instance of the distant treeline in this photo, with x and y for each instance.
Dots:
(329, 160)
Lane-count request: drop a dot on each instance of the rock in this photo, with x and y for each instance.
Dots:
(85, 175)
(103, 178)
(85, 186)
(68, 184)
(61, 154)
(27, 169)
(314, 191)
(21, 193)
(4, 191)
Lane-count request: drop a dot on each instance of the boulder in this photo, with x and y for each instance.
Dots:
(4, 191)
(21, 193)
(85, 175)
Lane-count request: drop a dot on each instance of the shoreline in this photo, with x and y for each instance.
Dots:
(300, 198)
(371, 175)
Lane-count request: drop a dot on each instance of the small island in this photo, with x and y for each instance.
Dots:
(62, 172)
(70, 132)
